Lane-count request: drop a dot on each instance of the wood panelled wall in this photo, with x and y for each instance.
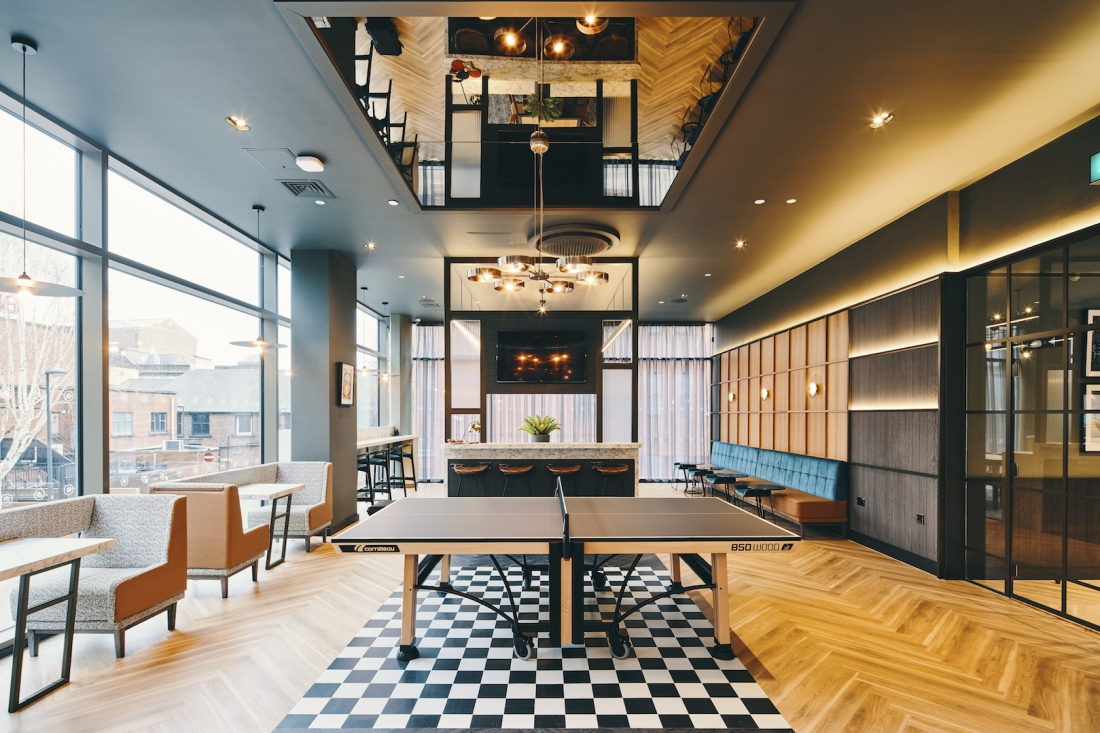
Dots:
(895, 421)
(785, 364)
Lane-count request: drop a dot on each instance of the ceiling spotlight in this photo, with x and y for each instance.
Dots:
(661, 302)
(371, 246)
(758, 201)
(881, 119)
(515, 263)
(310, 163)
(706, 274)
(574, 263)
(740, 244)
(791, 201)
(590, 25)
(593, 277)
(509, 42)
(559, 47)
(237, 123)
(319, 202)
(393, 202)
(400, 277)
(483, 274)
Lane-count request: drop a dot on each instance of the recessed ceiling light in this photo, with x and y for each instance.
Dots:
(371, 246)
(740, 244)
(393, 202)
(319, 202)
(791, 201)
(237, 123)
(758, 201)
(401, 276)
(881, 119)
(310, 163)
(683, 295)
(707, 275)
(661, 302)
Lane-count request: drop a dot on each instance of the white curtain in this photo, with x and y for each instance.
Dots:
(673, 404)
(617, 178)
(654, 179)
(576, 413)
(428, 393)
(432, 183)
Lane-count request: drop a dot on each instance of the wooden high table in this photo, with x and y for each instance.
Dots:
(24, 558)
(272, 493)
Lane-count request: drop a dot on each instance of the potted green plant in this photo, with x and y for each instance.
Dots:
(539, 427)
(549, 110)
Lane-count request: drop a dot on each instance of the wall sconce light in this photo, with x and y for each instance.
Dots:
(732, 397)
(764, 393)
(814, 389)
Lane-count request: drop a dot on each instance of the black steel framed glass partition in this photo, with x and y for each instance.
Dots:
(1033, 428)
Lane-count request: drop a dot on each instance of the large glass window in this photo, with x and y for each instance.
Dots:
(286, 376)
(37, 347)
(428, 400)
(147, 228)
(171, 352)
(51, 175)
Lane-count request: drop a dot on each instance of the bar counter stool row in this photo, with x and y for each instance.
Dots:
(475, 473)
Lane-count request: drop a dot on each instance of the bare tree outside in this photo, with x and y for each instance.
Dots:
(36, 334)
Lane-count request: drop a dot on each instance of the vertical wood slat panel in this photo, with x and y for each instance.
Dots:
(838, 336)
(782, 351)
(782, 431)
(743, 362)
(836, 427)
(815, 434)
(725, 367)
(767, 382)
(767, 355)
(798, 347)
(798, 390)
(767, 430)
(731, 421)
(782, 383)
(817, 375)
(904, 319)
(798, 432)
(836, 396)
(816, 339)
(733, 365)
(743, 428)
(723, 428)
(754, 429)
(744, 402)
(754, 394)
(754, 359)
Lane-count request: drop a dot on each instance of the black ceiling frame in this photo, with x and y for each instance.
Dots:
(773, 14)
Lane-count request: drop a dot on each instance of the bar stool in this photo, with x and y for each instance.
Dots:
(566, 471)
(683, 468)
(698, 478)
(516, 471)
(723, 482)
(610, 472)
(475, 472)
(398, 455)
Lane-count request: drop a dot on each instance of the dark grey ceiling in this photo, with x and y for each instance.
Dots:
(973, 85)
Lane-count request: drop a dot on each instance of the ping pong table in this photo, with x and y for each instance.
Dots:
(427, 531)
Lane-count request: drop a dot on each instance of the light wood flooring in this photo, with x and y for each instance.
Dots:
(840, 637)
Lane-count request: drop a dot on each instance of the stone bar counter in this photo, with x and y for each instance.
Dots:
(539, 481)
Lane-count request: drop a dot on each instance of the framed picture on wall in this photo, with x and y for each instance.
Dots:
(1090, 430)
(346, 375)
(1092, 360)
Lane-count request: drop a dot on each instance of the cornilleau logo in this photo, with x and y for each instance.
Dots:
(370, 548)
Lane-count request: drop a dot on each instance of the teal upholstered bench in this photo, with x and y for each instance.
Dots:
(815, 489)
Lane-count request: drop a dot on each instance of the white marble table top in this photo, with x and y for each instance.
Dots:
(542, 451)
(376, 442)
(25, 555)
(267, 492)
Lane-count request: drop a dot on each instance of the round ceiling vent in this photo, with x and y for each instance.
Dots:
(570, 240)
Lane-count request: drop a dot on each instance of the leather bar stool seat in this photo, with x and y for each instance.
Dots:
(610, 472)
(566, 471)
(515, 472)
(474, 472)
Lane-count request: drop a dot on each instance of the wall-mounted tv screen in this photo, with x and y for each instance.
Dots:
(549, 357)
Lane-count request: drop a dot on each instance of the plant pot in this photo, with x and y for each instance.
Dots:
(540, 438)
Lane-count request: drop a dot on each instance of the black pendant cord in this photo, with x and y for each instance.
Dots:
(24, 48)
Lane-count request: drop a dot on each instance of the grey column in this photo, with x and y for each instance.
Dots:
(94, 417)
(400, 371)
(322, 307)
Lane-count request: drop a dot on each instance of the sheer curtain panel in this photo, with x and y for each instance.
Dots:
(428, 392)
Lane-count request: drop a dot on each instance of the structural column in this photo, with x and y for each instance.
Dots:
(322, 290)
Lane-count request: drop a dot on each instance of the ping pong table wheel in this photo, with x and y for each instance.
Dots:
(407, 653)
(599, 581)
(523, 647)
(620, 646)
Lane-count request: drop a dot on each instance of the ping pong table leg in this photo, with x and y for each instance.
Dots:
(721, 605)
(445, 572)
(565, 585)
(675, 585)
(408, 650)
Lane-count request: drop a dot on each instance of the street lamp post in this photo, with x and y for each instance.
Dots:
(49, 430)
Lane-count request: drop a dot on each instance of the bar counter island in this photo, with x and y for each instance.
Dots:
(532, 469)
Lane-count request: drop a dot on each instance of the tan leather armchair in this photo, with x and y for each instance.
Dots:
(217, 544)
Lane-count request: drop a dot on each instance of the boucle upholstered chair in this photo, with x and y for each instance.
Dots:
(311, 508)
(143, 574)
(217, 545)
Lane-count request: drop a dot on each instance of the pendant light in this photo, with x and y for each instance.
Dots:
(24, 285)
(258, 343)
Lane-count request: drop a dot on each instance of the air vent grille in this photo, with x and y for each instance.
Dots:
(430, 304)
(313, 189)
(679, 300)
(573, 240)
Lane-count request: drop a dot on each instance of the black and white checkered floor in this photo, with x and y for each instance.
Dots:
(467, 676)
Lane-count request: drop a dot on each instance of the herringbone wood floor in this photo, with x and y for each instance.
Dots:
(840, 637)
